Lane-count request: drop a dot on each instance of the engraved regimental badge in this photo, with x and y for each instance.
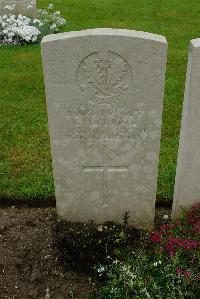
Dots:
(104, 77)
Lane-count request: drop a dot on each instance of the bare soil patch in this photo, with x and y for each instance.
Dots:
(30, 266)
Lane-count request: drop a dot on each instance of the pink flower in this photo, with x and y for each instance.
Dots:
(167, 227)
(156, 237)
(196, 278)
(180, 271)
(197, 227)
(170, 248)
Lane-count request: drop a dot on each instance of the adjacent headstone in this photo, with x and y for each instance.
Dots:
(24, 7)
(104, 91)
(187, 185)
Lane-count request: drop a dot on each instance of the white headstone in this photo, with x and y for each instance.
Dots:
(24, 7)
(187, 185)
(104, 91)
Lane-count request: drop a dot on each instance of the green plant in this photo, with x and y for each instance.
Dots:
(83, 246)
(170, 268)
(20, 30)
(141, 276)
(71, 293)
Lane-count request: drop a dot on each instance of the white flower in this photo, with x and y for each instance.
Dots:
(165, 217)
(61, 22)
(10, 34)
(35, 21)
(100, 228)
(50, 6)
(101, 270)
(17, 30)
(57, 13)
(10, 7)
(156, 263)
(29, 6)
(52, 27)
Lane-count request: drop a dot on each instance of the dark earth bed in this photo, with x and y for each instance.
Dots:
(29, 263)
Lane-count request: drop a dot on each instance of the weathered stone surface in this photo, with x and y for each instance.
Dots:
(187, 185)
(21, 7)
(104, 91)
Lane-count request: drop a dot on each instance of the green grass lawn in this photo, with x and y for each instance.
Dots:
(25, 160)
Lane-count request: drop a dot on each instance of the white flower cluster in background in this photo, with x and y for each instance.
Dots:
(17, 30)
(20, 30)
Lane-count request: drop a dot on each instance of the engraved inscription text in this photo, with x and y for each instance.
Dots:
(88, 124)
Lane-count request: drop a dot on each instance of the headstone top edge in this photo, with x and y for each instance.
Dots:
(105, 32)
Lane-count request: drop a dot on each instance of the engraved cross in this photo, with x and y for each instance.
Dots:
(105, 170)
